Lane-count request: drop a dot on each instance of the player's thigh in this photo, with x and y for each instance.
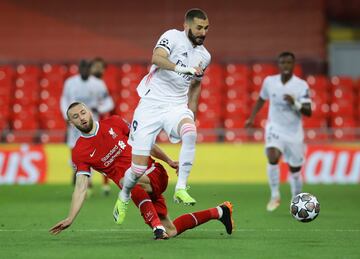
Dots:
(176, 116)
(274, 145)
(145, 127)
(294, 154)
(158, 178)
(145, 183)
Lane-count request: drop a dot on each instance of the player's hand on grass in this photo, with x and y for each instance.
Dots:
(60, 226)
(289, 99)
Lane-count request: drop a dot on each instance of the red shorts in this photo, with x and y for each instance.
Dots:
(159, 181)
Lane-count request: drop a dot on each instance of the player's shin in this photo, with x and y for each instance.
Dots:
(187, 153)
(274, 180)
(143, 201)
(191, 220)
(131, 177)
(295, 180)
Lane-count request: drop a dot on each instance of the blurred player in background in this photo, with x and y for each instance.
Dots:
(97, 69)
(169, 99)
(103, 146)
(284, 135)
(87, 89)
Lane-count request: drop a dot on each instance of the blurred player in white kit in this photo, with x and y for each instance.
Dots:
(284, 135)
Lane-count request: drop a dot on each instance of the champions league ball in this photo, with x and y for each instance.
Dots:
(304, 207)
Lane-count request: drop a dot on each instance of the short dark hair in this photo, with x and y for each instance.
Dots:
(71, 106)
(98, 59)
(195, 13)
(84, 63)
(286, 54)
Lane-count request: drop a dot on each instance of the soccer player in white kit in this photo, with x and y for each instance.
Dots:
(289, 100)
(169, 99)
(89, 90)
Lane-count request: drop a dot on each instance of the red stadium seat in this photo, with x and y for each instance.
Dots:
(313, 123)
(318, 82)
(234, 123)
(33, 70)
(236, 108)
(342, 82)
(6, 77)
(51, 136)
(260, 71)
(239, 135)
(298, 70)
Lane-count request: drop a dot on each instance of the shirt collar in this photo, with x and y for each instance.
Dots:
(94, 134)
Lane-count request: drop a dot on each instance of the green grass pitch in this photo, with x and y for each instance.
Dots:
(27, 212)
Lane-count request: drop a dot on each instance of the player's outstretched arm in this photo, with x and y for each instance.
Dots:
(158, 153)
(259, 104)
(77, 201)
(161, 58)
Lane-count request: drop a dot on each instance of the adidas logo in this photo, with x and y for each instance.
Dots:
(184, 54)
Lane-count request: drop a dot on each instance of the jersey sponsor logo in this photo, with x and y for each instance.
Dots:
(112, 133)
(113, 153)
(22, 165)
(92, 154)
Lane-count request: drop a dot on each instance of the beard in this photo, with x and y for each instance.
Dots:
(196, 40)
(86, 128)
(98, 75)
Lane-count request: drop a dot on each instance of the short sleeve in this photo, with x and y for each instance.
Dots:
(305, 94)
(167, 41)
(264, 92)
(80, 167)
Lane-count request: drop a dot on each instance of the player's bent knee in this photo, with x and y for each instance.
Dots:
(188, 132)
(147, 187)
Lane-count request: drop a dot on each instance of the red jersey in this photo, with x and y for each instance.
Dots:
(106, 151)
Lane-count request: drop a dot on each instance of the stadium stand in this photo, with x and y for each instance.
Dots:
(30, 97)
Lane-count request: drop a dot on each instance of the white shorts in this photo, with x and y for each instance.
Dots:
(149, 119)
(292, 151)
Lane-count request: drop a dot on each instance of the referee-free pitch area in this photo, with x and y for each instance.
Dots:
(27, 212)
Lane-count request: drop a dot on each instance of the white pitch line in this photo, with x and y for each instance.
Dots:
(198, 230)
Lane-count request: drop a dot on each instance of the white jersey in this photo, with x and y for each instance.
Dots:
(169, 86)
(282, 119)
(92, 92)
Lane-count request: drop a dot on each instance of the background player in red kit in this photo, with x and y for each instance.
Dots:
(103, 147)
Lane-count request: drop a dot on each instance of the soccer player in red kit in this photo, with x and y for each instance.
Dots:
(103, 147)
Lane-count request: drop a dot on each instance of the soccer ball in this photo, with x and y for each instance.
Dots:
(304, 207)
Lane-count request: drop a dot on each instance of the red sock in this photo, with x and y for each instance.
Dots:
(142, 200)
(191, 220)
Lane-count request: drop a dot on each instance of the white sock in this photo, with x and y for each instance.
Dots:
(274, 180)
(187, 154)
(295, 180)
(131, 177)
(220, 211)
